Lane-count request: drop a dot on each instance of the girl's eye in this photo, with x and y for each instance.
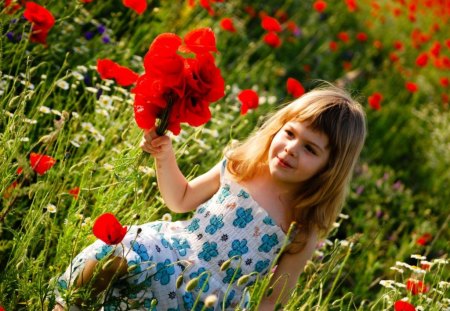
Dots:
(310, 149)
(289, 133)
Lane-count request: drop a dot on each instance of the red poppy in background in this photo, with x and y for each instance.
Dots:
(411, 87)
(351, 5)
(87, 1)
(401, 305)
(294, 87)
(75, 192)
(111, 70)
(398, 45)
(272, 39)
(424, 239)
(343, 36)
(249, 100)
(435, 50)
(270, 24)
(375, 100)
(11, 7)
(139, 6)
(361, 36)
(320, 6)
(108, 229)
(333, 46)
(41, 163)
(444, 81)
(422, 60)
(41, 19)
(416, 287)
(227, 24)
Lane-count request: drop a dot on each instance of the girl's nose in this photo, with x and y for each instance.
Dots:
(290, 150)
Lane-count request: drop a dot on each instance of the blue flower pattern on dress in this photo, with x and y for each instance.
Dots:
(215, 224)
(194, 225)
(209, 251)
(181, 245)
(262, 265)
(269, 241)
(243, 217)
(104, 251)
(238, 248)
(164, 271)
(141, 250)
(230, 224)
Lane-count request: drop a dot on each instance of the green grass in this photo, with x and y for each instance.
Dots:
(400, 189)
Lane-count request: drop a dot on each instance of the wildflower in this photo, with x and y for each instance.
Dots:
(45, 109)
(387, 283)
(147, 170)
(270, 24)
(411, 87)
(249, 100)
(419, 257)
(272, 39)
(397, 269)
(139, 6)
(416, 287)
(361, 36)
(444, 81)
(401, 305)
(51, 208)
(111, 70)
(62, 84)
(294, 87)
(108, 229)
(375, 100)
(343, 36)
(320, 6)
(75, 192)
(41, 19)
(333, 46)
(424, 239)
(422, 60)
(166, 217)
(41, 163)
(227, 24)
(351, 5)
(425, 265)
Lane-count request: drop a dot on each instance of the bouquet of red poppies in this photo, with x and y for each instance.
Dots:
(180, 81)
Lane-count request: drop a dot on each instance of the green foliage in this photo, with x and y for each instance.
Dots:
(54, 102)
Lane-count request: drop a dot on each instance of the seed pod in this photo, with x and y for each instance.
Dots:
(243, 280)
(225, 265)
(192, 284)
(210, 301)
(179, 281)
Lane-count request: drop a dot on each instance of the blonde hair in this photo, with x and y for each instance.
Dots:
(331, 111)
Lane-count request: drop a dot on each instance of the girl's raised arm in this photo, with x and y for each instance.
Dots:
(179, 195)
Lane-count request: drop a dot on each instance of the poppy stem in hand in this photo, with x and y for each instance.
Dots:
(164, 120)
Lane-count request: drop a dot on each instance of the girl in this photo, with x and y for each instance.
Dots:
(294, 170)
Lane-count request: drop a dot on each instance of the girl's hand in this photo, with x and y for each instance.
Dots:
(160, 147)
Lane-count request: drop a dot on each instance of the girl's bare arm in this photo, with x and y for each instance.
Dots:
(179, 195)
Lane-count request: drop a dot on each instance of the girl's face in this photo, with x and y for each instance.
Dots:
(296, 154)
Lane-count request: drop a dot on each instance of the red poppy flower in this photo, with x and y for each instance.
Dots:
(333, 46)
(343, 36)
(270, 24)
(11, 7)
(108, 229)
(422, 60)
(351, 5)
(41, 19)
(174, 88)
(41, 163)
(416, 287)
(375, 100)
(320, 6)
(139, 6)
(424, 239)
(377, 44)
(401, 305)
(272, 39)
(394, 57)
(398, 45)
(201, 40)
(87, 1)
(361, 36)
(294, 87)
(249, 100)
(111, 70)
(227, 24)
(411, 87)
(444, 81)
(436, 49)
(75, 192)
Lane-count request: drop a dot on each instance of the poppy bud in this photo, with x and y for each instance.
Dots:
(243, 280)
(179, 281)
(192, 284)
(225, 265)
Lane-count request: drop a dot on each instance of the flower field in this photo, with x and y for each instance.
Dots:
(73, 80)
